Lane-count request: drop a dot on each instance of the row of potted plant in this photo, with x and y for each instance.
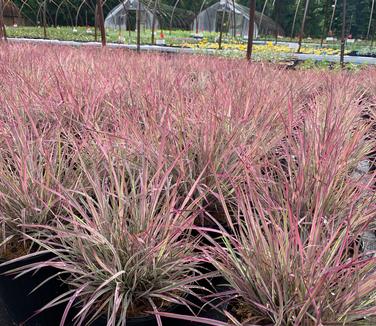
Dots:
(141, 196)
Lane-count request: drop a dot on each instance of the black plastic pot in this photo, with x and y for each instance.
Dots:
(21, 304)
(150, 320)
(5, 318)
(215, 285)
(136, 321)
(210, 313)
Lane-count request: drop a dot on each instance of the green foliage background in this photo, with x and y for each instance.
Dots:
(283, 12)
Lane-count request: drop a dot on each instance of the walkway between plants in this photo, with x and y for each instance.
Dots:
(167, 49)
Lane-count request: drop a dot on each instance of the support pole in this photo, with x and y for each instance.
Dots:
(172, 15)
(153, 22)
(303, 25)
(294, 21)
(221, 29)
(252, 10)
(333, 14)
(44, 19)
(96, 23)
(324, 27)
(343, 34)
(101, 22)
(276, 10)
(370, 18)
(234, 18)
(139, 27)
(262, 15)
(3, 34)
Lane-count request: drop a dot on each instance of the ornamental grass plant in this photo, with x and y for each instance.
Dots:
(284, 271)
(125, 249)
(293, 255)
(35, 161)
(142, 175)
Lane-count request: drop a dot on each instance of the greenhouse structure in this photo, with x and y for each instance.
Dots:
(235, 19)
(124, 16)
(12, 14)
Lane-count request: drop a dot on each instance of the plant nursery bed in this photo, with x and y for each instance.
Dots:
(204, 189)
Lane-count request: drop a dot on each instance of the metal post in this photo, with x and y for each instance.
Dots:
(153, 23)
(96, 23)
(294, 21)
(101, 22)
(276, 20)
(333, 14)
(324, 27)
(139, 27)
(343, 34)
(370, 18)
(221, 27)
(119, 21)
(45, 19)
(262, 14)
(2, 26)
(252, 10)
(234, 17)
(13, 16)
(172, 15)
(303, 25)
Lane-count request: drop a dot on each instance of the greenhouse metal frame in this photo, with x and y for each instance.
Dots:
(124, 16)
(210, 19)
